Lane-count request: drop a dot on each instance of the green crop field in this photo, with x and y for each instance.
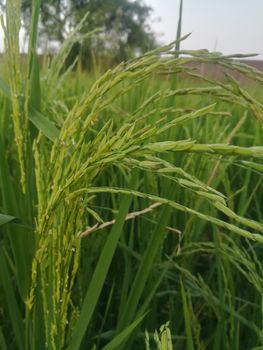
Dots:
(131, 202)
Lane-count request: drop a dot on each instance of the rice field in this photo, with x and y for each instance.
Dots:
(131, 202)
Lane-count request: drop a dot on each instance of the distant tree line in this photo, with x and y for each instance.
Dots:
(125, 29)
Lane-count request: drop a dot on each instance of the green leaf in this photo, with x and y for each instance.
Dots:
(118, 340)
(4, 219)
(3, 345)
(38, 119)
(11, 304)
(187, 319)
(43, 124)
(145, 268)
(102, 268)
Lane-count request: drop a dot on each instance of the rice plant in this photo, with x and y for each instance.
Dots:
(130, 203)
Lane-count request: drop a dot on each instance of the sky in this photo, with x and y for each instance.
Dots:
(228, 26)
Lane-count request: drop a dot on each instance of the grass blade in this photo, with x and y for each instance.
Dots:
(4, 219)
(187, 319)
(11, 302)
(144, 269)
(101, 270)
(38, 119)
(119, 339)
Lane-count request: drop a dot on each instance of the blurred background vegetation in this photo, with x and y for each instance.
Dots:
(123, 28)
